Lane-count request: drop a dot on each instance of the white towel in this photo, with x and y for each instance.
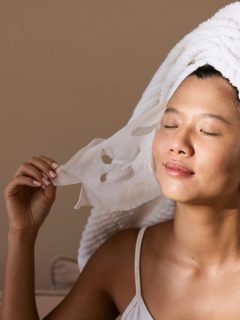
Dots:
(117, 174)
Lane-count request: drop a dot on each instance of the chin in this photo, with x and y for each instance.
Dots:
(187, 198)
(182, 195)
(177, 198)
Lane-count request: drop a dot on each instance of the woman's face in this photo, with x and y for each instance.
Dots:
(215, 158)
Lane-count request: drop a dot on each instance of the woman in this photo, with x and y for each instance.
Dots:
(193, 258)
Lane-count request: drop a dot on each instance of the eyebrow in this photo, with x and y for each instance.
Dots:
(203, 115)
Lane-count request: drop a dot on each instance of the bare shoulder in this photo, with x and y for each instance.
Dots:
(119, 249)
(121, 240)
(93, 294)
(114, 255)
(106, 284)
(122, 280)
(123, 245)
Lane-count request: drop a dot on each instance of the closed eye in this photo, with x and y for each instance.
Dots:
(169, 126)
(210, 133)
(205, 132)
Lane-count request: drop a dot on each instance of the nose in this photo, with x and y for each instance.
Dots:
(181, 144)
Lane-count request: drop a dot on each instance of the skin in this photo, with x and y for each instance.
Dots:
(195, 254)
(205, 229)
(194, 257)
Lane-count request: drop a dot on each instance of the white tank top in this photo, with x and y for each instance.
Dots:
(137, 310)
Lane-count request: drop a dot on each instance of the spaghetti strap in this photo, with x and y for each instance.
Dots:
(137, 261)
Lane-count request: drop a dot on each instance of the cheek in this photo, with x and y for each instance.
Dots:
(154, 147)
(158, 147)
(218, 163)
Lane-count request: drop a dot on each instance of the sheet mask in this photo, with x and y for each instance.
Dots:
(117, 174)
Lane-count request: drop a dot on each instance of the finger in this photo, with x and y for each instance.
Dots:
(18, 181)
(52, 163)
(45, 168)
(27, 169)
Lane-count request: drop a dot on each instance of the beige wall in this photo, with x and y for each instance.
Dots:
(72, 71)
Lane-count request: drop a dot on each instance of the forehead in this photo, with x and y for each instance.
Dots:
(205, 95)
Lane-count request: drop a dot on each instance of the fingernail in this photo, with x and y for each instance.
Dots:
(44, 175)
(36, 183)
(45, 181)
(54, 165)
(52, 174)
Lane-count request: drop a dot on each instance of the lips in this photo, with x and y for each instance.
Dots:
(178, 166)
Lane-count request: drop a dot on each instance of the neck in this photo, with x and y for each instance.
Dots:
(207, 237)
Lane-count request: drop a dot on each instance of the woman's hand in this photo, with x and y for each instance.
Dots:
(29, 196)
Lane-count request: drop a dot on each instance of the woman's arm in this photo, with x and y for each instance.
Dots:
(18, 299)
(28, 197)
(27, 207)
(92, 295)
(89, 299)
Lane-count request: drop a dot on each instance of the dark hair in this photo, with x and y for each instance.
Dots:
(208, 71)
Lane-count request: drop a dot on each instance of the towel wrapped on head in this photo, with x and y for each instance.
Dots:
(117, 174)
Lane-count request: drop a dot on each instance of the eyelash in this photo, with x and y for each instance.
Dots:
(205, 132)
